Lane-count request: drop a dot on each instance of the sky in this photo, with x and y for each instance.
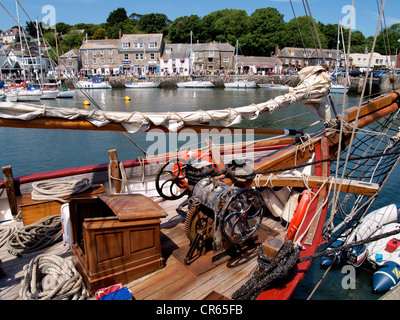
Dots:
(97, 11)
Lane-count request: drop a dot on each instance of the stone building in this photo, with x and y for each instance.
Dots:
(140, 53)
(70, 63)
(100, 57)
(213, 57)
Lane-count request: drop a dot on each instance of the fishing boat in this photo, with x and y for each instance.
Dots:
(199, 218)
(94, 83)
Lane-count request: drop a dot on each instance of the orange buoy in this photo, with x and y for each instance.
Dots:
(299, 214)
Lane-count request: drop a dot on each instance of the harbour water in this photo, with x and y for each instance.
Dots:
(31, 151)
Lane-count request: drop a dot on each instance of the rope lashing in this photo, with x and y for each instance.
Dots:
(36, 236)
(50, 277)
(55, 190)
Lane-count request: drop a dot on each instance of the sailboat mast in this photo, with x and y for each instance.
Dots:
(40, 54)
(20, 41)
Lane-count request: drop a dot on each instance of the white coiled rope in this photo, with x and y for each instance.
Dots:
(55, 190)
(50, 277)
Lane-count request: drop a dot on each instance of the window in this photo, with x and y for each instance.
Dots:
(173, 62)
(69, 63)
(292, 54)
(126, 56)
(102, 52)
(102, 61)
(94, 53)
(138, 44)
(125, 45)
(139, 56)
(110, 51)
(110, 61)
(169, 50)
(211, 54)
(94, 61)
(226, 59)
(86, 61)
(152, 56)
(152, 44)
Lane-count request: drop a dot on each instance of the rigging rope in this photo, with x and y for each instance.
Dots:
(6, 231)
(50, 277)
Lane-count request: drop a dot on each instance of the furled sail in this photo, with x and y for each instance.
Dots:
(312, 91)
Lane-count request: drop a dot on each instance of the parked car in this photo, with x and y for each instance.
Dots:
(355, 73)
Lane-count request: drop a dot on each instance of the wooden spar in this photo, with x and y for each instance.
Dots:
(65, 124)
(347, 186)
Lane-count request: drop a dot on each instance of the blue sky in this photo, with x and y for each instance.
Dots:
(97, 11)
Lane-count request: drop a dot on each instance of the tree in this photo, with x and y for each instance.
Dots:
(179, 30)
(154, 23)
(100, 33)
(117, 16)
(294, 39)
(266, 29)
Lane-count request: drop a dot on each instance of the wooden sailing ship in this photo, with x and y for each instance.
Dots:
(211, 215)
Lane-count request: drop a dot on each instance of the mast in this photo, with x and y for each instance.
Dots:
(40, 54)
(20, 41)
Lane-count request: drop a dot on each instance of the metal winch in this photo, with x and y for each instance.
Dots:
(221, 216)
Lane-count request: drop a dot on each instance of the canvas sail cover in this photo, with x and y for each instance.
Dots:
(312, 91)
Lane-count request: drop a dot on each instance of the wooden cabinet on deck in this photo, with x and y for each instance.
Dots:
(115, 238)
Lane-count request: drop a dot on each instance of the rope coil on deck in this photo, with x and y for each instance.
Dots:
(6, 232)
(55, 190)
(36, 236)
(50, 277)
(270, 271)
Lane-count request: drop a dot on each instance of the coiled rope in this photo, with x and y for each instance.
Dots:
(6, 231)
(55, 190)
(50, 277)
(36, 236)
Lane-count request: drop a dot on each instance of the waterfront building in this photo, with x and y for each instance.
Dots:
(100, 57)
(70, 63)
(360, 61)
(298, 58)
(176, 60)
(140, 53)
(259, 65)
(213, 57)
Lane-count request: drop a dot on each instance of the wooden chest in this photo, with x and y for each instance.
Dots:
(34, 210)
(115, 238)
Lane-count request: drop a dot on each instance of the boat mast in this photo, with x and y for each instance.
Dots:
(20, 41)
(40, 54)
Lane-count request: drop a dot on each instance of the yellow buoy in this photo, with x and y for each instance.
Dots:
(86, 102)
(127, 98)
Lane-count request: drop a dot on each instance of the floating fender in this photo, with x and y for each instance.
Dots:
(386, 277)
(299, 214)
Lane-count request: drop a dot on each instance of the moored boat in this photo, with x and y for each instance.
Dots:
(94, 83)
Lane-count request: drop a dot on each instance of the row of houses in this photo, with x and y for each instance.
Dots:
(149, 54)
(144, 54)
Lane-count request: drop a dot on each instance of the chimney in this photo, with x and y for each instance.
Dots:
(276, 50)
(120, 34)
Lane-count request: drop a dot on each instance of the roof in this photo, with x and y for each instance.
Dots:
(100, 44)
(156, 38)
(298, 53)
(176, 51)
(73, 53)
(214, 46)
(9, 32)
(253, 60)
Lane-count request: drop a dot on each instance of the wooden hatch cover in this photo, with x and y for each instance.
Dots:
(131, 207)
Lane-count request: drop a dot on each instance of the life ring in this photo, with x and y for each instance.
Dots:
(299, 214)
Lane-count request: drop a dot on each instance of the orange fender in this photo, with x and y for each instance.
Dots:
(299, 214)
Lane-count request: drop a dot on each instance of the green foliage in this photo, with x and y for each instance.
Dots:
(154, 23)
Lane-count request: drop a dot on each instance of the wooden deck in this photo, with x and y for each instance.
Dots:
(173, 282)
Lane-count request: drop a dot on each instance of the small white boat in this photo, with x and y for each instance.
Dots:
(50, 93)
(196, 84)
(142, 84)
(95, 83)
(274, 86)
(29, 94)
(339, 89)
(239, 84)
(66, 93)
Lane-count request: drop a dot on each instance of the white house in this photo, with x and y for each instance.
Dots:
(176, 59)
(360, 61)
